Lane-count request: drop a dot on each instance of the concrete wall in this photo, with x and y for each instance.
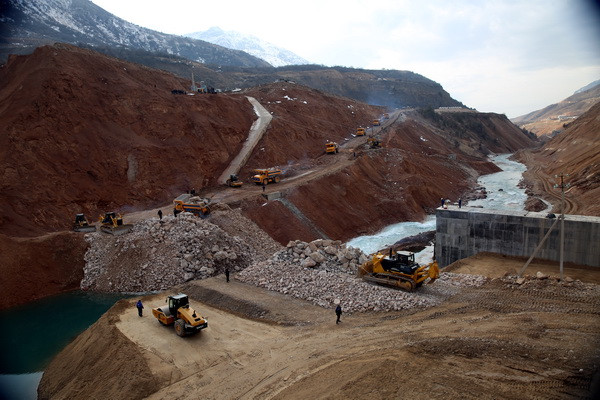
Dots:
(467, 231)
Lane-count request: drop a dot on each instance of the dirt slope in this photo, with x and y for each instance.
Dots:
(499, 340)
(573, 152)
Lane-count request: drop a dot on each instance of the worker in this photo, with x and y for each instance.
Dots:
(140, 307)
(338, 312)
(264, 185)
(227, 274)
(459, 203)
(160, 214)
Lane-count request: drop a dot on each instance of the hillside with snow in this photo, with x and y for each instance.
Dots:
(272, 54)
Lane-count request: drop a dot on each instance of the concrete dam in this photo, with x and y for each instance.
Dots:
(463, 232)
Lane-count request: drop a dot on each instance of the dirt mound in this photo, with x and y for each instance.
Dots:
(99, 355)
(89, 133)
(40, 267)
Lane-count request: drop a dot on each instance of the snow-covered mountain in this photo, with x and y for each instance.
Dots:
(272, 54)
(26, 24)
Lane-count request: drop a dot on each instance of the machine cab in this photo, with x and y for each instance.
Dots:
(176, 302)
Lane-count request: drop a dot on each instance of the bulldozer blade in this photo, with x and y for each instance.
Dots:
(85, 229)
(120, 230)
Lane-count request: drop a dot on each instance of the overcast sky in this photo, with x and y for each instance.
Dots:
(510, 57)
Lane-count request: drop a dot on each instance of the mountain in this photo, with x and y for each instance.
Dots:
(553, 119)
(27, 24)
(274, 55)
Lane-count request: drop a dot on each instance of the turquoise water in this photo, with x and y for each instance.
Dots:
(32, 334)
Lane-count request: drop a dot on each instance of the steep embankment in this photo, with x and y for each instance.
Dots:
(88, 133)
(573, 152)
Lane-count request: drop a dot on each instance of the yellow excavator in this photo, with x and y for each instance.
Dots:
(398, 270)
(178, 313)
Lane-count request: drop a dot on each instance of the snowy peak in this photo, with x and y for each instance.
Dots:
(272, 54)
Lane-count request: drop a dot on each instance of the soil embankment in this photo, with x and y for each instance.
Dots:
(574, 154)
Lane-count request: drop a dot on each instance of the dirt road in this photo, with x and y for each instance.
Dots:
(500, 340)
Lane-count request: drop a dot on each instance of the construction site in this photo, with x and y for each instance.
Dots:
(228, 216)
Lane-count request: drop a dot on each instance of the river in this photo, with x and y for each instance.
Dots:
(502, 194)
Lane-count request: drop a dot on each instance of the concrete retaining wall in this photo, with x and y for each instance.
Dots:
(467, 231)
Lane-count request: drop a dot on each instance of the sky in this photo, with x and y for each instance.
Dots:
(503, 56)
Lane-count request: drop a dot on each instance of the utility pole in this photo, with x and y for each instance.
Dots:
(562, 187)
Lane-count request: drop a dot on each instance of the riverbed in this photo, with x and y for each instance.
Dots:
(503, 193)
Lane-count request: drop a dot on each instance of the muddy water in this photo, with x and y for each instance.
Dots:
(503, 194)
(34, 333)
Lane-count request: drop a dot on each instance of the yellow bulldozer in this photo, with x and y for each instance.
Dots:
(398, 270)
(112, 224)
(82, 225)
(178, 313)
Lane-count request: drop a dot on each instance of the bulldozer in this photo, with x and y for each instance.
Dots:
(398, 270)
(373, 142)
(179, 314)
(196, 205)
(265, 176)
(82, 225)
(112, 224)
(234, 181)
(331, 148)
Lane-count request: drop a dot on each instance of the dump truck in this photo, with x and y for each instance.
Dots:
(82, 225)
(376, 122)
(265, 176)
(112, 223)
(331, 148)
(188, 202)
(398, 270)
(361, 132)
(386, 116)
(178, 313)
(233, 181)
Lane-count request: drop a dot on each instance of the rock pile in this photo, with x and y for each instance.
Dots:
(156, 255)
(324, 271)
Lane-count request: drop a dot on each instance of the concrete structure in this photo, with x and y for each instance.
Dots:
(464, 232)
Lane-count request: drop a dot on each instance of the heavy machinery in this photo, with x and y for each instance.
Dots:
(112, 224)
(376, 122)
(386, 116)
(331, 148)
(82, 225)
(373, 142)
(361, 132)
(179, 314)
(233, 181)
(398, 270)
(265, 176)
(196, 205)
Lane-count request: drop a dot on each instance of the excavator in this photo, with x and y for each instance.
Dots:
(178, 313)
(398, 270)
(113, 224)
(82, 225)
(373, 142)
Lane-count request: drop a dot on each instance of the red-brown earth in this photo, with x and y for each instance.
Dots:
(83, 132)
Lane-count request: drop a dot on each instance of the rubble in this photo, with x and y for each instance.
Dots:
(324, 271)
(157, 255)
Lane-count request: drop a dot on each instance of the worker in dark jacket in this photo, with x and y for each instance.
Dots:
(338, 312)
(140, 307)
